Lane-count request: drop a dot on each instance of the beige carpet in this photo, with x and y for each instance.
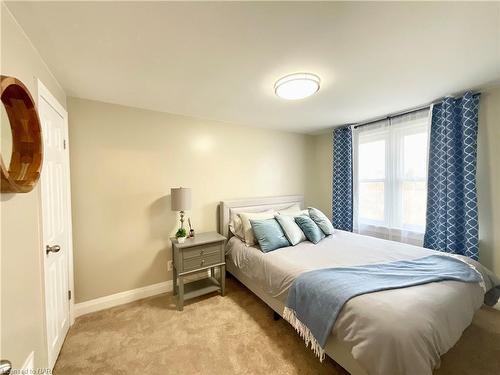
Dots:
(235, 334)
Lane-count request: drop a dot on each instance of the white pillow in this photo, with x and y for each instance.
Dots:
(247, 227)
(290, 210)
(236, 227)
(292, 231)
(294, 211)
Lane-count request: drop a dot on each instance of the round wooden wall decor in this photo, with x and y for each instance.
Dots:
(25, 166)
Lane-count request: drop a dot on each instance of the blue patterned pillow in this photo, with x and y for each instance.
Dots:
(310, 229)
(269, 234)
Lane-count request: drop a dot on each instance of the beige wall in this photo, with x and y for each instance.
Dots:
(124, 162)
(319, 192)
(488, 176)
(21, 269)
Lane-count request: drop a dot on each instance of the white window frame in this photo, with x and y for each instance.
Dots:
(392, 227)
(376, 134)
(400, 178)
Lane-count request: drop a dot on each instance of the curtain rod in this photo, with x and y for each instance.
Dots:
(392, 115)
(401, 113)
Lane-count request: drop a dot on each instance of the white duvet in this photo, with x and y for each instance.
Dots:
(399, 331)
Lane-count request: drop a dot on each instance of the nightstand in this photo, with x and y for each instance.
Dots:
(204, 251)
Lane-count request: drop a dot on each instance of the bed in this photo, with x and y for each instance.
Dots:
(399, 331)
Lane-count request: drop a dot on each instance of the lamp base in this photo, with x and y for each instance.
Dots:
(182, 219)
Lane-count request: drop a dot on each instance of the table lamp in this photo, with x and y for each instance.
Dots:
(180, 201)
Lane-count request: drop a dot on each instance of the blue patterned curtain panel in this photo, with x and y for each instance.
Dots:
(342, 179)
(452, 219)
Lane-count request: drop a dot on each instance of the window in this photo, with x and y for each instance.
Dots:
(390, 184)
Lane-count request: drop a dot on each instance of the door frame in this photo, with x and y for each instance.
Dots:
(44, 94)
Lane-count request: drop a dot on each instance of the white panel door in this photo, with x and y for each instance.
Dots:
(56, 226)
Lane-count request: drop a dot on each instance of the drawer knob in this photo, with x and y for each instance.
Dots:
(203, 262)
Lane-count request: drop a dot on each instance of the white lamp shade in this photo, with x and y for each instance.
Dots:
(180, 199)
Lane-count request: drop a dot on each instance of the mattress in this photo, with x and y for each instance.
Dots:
(399, 331)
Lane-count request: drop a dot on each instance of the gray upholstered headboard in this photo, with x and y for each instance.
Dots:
(231, 207)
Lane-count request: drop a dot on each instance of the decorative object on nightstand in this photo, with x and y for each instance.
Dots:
(205, 252)
(191, 230)
(181, 235)
(180, 199)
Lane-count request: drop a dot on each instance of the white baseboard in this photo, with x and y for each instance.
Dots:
(29, 364)
(121, 298)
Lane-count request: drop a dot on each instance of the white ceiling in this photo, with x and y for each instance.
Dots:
(219, 61)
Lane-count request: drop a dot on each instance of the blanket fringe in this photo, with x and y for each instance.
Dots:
(291, 317)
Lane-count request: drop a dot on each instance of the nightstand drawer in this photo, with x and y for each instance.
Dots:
(199, 251)
(201, 261)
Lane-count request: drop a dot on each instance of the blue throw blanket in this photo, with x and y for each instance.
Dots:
(316, 297)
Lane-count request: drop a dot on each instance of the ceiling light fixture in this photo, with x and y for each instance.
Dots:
(297, 86)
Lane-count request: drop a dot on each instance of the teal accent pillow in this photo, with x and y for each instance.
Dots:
(269, 234)
(310, 229)
(321, 220)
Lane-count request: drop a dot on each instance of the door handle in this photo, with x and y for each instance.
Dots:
(52, 249)
(5, 367)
